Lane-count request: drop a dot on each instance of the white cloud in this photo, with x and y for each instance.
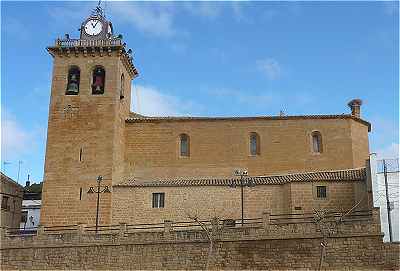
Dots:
(389, 152)
(150, 101)
(151, 19)
(14, 139)
(270, 67)
(203, 8)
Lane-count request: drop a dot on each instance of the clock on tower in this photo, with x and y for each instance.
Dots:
(96, 27)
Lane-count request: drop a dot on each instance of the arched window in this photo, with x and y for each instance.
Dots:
(99, 76)
(121, 91)
(74, 75)
(316, 142)
(184, 145)
(254, 144)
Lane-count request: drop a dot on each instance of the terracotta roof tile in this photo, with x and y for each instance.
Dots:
(135, 118)
(357, 174)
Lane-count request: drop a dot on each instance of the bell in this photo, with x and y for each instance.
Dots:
(98, 83)
(72, 88)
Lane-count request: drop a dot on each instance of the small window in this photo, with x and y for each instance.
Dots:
(254, 144)
(321, 192)
(99, 75)
(4, 203)
(184, 145)
(317, 142)
(73, 81)
(158, 200)
(24, 216)
(121, 91)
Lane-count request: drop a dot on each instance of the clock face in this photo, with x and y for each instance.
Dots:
(93, 27)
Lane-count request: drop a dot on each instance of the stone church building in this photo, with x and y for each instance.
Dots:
(168, 168)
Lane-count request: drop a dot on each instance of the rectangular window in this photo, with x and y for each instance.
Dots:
(158, 200)
(321, 192)
(4, 203)
(184, 145)
(24, 216)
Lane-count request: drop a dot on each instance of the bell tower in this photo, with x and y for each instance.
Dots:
(90, 100)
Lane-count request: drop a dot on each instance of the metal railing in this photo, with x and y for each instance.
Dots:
(271, 219)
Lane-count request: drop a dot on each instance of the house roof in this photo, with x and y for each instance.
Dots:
(5, 178)
(134, 118)
(356, 174)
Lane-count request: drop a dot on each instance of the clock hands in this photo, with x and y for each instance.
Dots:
(94, 25)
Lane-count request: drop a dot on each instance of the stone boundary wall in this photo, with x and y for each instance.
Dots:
(352, 245)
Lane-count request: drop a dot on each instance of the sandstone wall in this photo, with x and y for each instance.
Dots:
(134, 204)
(84, 139)
(356, 246)
(218, 147)
(11, 202)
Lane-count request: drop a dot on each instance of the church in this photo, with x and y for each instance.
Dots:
(144, 169)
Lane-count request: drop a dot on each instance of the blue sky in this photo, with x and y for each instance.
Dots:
(212, 59)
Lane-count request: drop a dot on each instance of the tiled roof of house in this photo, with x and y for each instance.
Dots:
(134, 117)
(357, 174)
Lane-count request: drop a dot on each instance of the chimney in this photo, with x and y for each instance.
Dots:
(28, 183)
(355, 105)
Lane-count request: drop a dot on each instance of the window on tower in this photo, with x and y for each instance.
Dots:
(99, 75)
(73, 81)
(121, 91)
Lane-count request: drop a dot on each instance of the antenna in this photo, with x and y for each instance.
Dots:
(19, 169)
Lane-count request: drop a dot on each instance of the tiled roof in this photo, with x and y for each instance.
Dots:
(5, 178)
(139, 118)
(357, 174)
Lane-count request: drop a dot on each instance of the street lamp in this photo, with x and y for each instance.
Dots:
(91, 191)
(243, 183)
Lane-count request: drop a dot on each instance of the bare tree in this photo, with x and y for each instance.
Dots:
(210, 236)
(329, 228)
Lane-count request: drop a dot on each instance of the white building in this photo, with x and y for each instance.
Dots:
(31, 205)
(379, 194)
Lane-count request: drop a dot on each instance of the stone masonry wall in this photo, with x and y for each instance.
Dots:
(344, 253)
(354, 245)
(217, 147)
(134, 204)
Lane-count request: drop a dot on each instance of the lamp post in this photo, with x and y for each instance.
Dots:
(243, 182)
(99, 191)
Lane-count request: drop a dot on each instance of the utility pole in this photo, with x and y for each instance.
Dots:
(387, 200)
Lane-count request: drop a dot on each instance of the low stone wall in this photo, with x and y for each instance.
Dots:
(367, 252)
(353, 245)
